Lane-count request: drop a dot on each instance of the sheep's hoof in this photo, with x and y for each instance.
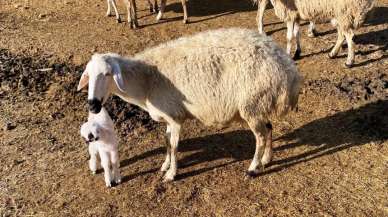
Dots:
(185, 21)
(297, 54)
(93, 172)
(167, 179)
(118, 20)
(108, 184)
(312, 33)
(332, 56)
(118, 180)
(348, 65)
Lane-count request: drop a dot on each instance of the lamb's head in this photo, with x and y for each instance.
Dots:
(90, 132)
(102, 73)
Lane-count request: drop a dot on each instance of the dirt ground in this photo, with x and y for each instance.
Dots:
(331, 157)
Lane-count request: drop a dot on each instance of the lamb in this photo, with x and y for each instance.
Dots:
(99, 133)
(163, 5)
(216, 77)
(131, 9)
(261, 6)
(345, 15)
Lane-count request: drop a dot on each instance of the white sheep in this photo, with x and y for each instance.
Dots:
(261, 6)
(217, 77)
(346, 15)
(163, 6)
(131, 10)
(99, 133)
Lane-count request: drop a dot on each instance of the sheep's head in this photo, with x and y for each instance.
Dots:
(90, 132)
(101, 73)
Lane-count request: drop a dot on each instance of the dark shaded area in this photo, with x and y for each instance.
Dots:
(377, 16)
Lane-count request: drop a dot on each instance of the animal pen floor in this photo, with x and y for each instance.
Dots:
(331, 157)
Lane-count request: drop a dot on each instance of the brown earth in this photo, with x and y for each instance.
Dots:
(331, 157)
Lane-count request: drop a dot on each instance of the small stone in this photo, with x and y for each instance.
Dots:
(9, 126)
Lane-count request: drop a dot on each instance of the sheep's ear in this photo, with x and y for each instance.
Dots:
(83, 81)
(118, 76)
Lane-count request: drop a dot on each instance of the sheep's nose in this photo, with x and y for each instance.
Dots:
(94, 106)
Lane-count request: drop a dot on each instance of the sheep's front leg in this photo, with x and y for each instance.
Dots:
(290, 29)
(311, 32)
(185, 15)
(262, 4)
(115, 160)
(260, 132)
(333, 53)
(167, 161)
(105, 163)
(132, 17)
(174, 139)
(161, 11)
(349, 39)
(93, 158)
(116, 11)
(298, 50)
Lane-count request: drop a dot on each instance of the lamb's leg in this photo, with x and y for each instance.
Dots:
(260, 132)
(297, 37)
(132, 17)
(151, 6)
(116, 11)
(349, 39)
(267, 157)
(115, 160)
(109, 10)
(311, 30)
(156, 6)
(105, 163)
(174, 139)
(167, 161)
(333, 53)
(261, 5)
(161, 11)
(93, 158)
(185, 16)
(290, 29)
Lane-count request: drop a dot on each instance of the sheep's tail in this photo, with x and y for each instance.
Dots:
(288, 100)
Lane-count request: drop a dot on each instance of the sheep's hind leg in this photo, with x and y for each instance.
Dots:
(161, 11)
(115, 160)
(109, 10)
(312, 32)
(116, 11)
(185, 15)
(167, 161)
(333, 53)
(298, 50)
(174, 139)
(262, 4)
(349, 39)
(260, 131)
(290, 29)
(267, 157)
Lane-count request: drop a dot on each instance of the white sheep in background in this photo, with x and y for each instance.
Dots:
(346, 15)
(163, 6)
(131, 10)
(262, 4)
(217, 77)
(99, 133)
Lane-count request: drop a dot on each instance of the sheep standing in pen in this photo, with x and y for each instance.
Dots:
(99, 133)
(345, 15)
(131, 10)
(217, 77)
(262, 4)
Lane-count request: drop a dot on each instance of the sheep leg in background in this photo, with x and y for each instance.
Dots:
(108, 13)
(267, 157)
(167, 162)
(290, 29)
(105, 163)
(311, 32)
(297, 37)
(153, 7)
(132, 17)
(260, 132)
(161, 11)
(261, 5)
(333, 53)
(174, 139)
(185, 16)
(349, 39)
(93, 158)
(115, 160)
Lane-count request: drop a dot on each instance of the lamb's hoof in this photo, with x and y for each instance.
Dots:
(118, 180)
(185, 21)
(93, 173)
(348, 65)
(108, 14)
(118, 20)
(297, 54)
(332, 56)
(312, 34)
(251, 174)
(167, 179)
(108, 184)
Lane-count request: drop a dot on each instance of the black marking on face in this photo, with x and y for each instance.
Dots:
(95, 105)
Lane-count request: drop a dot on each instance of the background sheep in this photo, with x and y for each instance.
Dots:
(163, 6)
(99, 133)
(217, 77)
(346, 15)
(261, 6)
(131, 10)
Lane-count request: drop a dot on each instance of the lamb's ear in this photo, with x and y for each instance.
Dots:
(83, 81)
(118, 76)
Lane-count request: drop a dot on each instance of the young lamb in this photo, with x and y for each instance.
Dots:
(345, 15)
(131, 10)
(99, 133)
(261, 6)
(217, 77)
(163, 6)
